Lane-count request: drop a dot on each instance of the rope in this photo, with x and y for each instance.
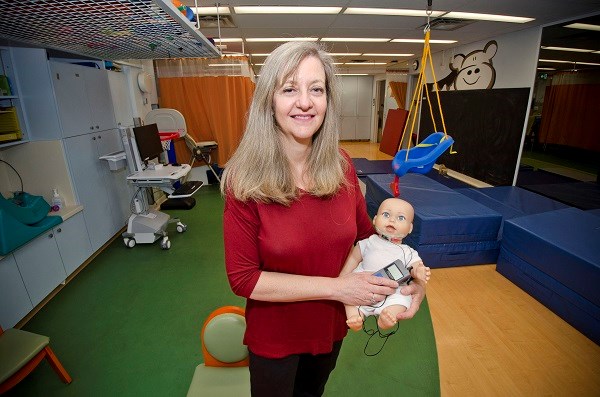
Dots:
(415, 105)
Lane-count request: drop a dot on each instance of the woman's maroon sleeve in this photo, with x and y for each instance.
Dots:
(240, 230)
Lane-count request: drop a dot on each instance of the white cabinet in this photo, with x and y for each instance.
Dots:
(14, 300)
(73, 242)
(40, 265)
(95, 184)
(119, 88)
(357, 107)
(83, 98)
(13, 125)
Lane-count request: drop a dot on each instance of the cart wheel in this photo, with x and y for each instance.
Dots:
(165, 243)
(129, 242)
(181, 227)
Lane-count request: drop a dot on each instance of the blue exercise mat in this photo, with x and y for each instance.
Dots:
(366, 167)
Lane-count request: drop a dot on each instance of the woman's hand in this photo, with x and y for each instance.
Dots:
(362, 289)
(417, 291)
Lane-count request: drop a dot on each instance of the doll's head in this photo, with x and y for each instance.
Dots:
(394, 219)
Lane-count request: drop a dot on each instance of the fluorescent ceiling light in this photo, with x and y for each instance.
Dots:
(391, 11)
(366, 63)
(422, 41)
(566, 49)
(554, 61)
(572, 62)
(351, 74)
(286, 10)
(228, 40)
(224, 64)
(279, 39)
(486, 17)
(344, 54)
(388, 55)
(355, 39)
(260, 55)
(546, 69)
(584, 26)
(210, 10)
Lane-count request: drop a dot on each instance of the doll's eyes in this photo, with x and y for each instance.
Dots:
(401, 218)
(385, 214)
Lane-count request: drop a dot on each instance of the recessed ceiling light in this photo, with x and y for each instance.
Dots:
(355, 39)
(223, 65)
(228, 40)
(286, 10)
(487, 17)
(210, 10)
(351, 74)
(422, 41)
(388, 55)
(260, 55)
(279, 39)
(365, 63)
(391, 11)
(344, 54)
(565, 49)
(584, 26)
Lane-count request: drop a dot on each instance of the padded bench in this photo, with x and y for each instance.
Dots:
(555, 257)
(450, 229)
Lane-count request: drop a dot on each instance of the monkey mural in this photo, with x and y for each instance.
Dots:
(473, 71)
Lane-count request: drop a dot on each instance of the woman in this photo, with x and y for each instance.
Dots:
(293, 211)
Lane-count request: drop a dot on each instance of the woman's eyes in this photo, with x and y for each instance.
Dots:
(290, 90)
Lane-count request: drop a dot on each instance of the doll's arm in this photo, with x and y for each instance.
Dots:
(354, 258)
(420, 272)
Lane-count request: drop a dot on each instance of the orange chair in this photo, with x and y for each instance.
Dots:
(21, 352)
(224, 371)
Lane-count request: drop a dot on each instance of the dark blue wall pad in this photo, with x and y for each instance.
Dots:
(564, 244)
(569, 305)
(441, 214)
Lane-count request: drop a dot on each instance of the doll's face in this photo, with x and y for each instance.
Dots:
(394, 218)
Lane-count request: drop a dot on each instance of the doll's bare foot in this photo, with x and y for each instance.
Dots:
(422, 273)
(386, 320)
(355, 323)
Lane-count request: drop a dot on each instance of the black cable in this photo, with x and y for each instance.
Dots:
(16, 172)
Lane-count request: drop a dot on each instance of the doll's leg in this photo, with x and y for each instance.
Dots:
(354, 318)
(387, 318)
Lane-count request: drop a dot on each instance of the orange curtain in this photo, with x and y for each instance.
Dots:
(214, 109)
(569, 117)
(399, 93)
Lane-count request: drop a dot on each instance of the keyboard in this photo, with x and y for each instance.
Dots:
(186, 189)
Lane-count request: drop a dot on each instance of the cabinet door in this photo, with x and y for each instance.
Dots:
(99, 98)
(14, 300)
(88, 171)
(73, 242)
(72, 99)
(348, 128)
(119, 90)
(40, 266)
(119, 190)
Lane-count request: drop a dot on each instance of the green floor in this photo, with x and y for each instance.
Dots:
(129, 323)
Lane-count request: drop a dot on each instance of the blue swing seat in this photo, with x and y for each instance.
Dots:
(422, 157)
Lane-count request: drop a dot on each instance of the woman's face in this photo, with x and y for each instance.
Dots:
(300, 102)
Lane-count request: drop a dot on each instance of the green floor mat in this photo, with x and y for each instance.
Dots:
(129, 323)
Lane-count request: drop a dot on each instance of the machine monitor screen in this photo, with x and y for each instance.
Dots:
(147, 139)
